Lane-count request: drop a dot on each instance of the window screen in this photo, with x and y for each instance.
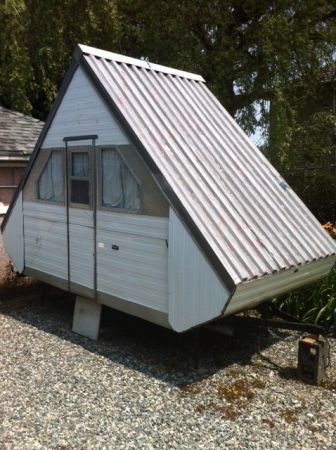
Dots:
(80, 164)
(51, 182)
(80, 192)
(79, 179)
(119, 187)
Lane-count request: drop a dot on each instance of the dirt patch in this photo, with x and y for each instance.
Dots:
(11, 284)
(239, 389)
(190, 389)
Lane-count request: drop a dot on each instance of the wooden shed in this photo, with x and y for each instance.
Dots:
(143, 194)
(18, 136)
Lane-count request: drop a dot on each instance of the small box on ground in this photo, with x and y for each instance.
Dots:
(313, 358)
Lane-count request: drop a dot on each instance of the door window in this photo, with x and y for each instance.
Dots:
(80, 177)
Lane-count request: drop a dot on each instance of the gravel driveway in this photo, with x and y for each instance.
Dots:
(138, 387)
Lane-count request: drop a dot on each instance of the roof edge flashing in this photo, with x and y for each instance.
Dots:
(104, 54)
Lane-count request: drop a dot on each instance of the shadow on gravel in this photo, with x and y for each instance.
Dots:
(178, 359)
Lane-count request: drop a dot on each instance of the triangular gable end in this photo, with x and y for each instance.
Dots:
(82, 109)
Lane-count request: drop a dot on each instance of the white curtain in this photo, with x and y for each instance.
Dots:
(120, 189)
(51, 182)
(80, 164)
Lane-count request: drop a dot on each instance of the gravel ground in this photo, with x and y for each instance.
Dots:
(138, 387)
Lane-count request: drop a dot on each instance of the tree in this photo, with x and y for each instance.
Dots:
(15, 71)
(310, 166)
(37, 39)
(54, 29)
(246, 50)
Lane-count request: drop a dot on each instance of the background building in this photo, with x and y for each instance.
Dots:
(18, 135)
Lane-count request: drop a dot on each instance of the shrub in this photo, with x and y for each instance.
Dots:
(315, 303)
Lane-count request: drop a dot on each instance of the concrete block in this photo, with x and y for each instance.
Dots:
(86, 320)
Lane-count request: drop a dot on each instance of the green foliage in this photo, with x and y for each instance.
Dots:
(314, 304)
(37, 38)
(245, 50)
(308, 162)
(54, 29)
(281, 124)
(15, 69)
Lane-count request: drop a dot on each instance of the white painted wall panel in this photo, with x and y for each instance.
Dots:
(133, 224)
(46, 241)
(196, 295)
(138, 271)
(13, 235)
(81, 247)
(83, 112)
(45, 235)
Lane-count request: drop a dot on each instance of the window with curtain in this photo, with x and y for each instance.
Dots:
(51, 182)
(120, 189)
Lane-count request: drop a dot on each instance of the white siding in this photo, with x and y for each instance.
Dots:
(83, 112)
(196, 295)
(45, 238)
(46, 241)
(138, 271)
(13, 235)
(81, 247)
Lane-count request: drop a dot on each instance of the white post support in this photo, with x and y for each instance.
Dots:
(86, 320)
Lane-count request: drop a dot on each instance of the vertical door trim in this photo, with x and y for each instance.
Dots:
(92, 159)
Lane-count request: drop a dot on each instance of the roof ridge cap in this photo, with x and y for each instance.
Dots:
(104, 54)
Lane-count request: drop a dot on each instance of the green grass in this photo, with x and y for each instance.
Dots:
(314, 304)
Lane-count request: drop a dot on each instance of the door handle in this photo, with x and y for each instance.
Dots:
(115, 247)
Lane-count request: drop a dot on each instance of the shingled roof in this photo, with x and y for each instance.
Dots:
(18, 133)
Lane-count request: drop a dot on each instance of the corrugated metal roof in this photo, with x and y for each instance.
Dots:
(18, 132)
(250, 217)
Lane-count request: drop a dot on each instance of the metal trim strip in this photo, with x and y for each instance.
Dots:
(134, 62)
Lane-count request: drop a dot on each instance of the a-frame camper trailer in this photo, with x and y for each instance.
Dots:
(144, 195)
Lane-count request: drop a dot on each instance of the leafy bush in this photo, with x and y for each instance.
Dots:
(315, 303)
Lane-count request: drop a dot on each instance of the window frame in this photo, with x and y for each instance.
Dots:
(80, 149)
(118, 149)
(51, 202)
